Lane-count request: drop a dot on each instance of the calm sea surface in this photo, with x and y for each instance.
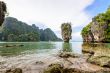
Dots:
(26, 54)
(20, 48)
(42, 48)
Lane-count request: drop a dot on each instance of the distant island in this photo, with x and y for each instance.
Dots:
(99, 29)
(18, 31)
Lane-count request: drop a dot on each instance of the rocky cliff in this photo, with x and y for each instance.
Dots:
(99, 29)
(3, 10)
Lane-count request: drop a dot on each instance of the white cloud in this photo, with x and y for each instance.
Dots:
(76, 36)
(50, 12)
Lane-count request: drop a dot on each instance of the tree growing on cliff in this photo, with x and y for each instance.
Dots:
(66, 31)
(99, 27)
(3, 11)
(87, 34)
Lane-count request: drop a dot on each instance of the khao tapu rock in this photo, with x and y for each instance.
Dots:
(66, 31)
(3, 11)
(99, 29)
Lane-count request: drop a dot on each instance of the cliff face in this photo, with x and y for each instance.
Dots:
(99, 29)
(3, 10)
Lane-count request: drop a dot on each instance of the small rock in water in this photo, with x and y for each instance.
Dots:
(67, 55)
(54, 68)
(14, 45)
(21, 45)
(39, 62)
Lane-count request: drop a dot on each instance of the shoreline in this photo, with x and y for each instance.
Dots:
(37, 64)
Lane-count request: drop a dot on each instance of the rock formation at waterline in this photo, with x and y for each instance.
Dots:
(99, 54)
(99, 29)
(66, 31)
(3, 10)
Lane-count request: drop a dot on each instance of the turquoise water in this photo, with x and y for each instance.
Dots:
(21, 48)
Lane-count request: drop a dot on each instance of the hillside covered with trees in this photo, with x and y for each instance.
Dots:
(15, 30)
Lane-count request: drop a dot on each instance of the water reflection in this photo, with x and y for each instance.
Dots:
(28, 48)
(67, 47)
(51, 47)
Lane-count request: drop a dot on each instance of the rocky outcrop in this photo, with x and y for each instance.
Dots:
(3, 10)
(99, 29)
(66, 31)
(103, 61)
(58, 68)
(68, 54)
(99, 54)
(16, 70)
(54, 68)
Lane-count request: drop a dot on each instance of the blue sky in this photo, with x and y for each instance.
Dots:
(98, 6)
(52, 13)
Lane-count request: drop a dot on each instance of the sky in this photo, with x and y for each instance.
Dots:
(52, 13)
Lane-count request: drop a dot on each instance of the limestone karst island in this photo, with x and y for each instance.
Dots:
(54, 36)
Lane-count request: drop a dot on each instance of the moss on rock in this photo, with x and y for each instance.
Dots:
(54, 68)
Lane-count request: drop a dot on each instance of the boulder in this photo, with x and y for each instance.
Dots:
(103, 61)
(39, 62)
(54, 68)
(16, 70)
(67, 55)
(58, 68)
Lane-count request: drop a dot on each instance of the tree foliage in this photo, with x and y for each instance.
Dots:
(85, 30)
(102, 19)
